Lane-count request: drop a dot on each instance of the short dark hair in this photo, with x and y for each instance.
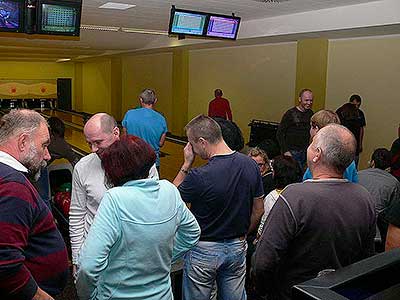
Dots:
(218, 92)
(355, 97)
(129, 158)
(204, 127)
(286, 171)
(231, 133)
(382, 158)
(303, 91)
(57, 127)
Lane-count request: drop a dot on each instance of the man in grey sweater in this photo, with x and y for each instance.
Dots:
(383, 187)
(323, 223)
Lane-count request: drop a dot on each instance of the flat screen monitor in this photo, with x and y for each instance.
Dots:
(186, 22)
(59, 17)
(370, 279)
(11, 15)
(224, 27)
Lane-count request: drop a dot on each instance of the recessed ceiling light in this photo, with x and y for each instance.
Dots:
(114, 5)
(63, 60)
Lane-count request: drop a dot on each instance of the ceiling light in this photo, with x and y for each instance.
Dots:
(100, 27)
(63, 60)
(143, 31)
(114, 5)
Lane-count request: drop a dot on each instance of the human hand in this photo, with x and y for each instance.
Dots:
(188, 155)
(42, 295)
(287, 153)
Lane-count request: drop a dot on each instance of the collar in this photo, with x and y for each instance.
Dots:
(327, 180)
(10, 161)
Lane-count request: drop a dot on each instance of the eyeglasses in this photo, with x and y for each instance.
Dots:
(261, 164)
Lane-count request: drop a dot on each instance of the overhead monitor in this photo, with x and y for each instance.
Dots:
(59, 17)
(11, 15)
(224, 27)
(186, 22)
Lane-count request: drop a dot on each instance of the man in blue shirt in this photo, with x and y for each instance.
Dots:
(146, 123)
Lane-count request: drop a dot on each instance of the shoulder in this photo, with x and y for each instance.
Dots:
(16, 186)
(132, 113)
(86, 162)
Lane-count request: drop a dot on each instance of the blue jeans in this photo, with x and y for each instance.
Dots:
(300, 156)
(223, 263)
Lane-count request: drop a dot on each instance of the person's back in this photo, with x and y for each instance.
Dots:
(219, 107)
(332, 225)
(384, 188)
(380, 184)
(147, 124)
(145, 214)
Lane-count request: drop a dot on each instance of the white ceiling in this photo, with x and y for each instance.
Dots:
(288, 18)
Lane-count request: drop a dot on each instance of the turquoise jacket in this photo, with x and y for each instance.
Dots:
(350, 173)
(140, 229)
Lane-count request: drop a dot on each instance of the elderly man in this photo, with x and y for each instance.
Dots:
(226, 197)
(323, 223)
(33, 256)
(88, 179)
(294, 130)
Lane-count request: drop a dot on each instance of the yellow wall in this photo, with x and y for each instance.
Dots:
(369, 67)
(259, 81)
(148, 71)
(96, 86)
(180, 91)
(312, 59)
(37, 70)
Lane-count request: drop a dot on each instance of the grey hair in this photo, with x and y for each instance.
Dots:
(19, 121)
(148, 96)
(206, 128)
(338, 146)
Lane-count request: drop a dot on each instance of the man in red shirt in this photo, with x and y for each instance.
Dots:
(219, 107)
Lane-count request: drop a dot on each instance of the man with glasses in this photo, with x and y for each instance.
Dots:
(88, 180)
(261, 158)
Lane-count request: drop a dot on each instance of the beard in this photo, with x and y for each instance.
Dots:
(32, 163)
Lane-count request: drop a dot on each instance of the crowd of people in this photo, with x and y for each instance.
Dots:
(247, 224)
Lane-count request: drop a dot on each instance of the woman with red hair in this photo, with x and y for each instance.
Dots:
(141, 227)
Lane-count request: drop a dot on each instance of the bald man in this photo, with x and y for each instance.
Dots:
(323, 223)
(88, 179)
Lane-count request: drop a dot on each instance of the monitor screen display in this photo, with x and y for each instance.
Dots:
(10, 15)
(186, 22)
(57, 18)
(223, 27)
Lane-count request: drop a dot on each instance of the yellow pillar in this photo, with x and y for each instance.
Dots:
(312, 63)
(180, 91)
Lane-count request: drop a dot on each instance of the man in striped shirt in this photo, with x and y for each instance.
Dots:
(33, 256)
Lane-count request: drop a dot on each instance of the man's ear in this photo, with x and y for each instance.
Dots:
(202, 141)
(23, 142)
(155, 101)
(116, 131)
(317, 156)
